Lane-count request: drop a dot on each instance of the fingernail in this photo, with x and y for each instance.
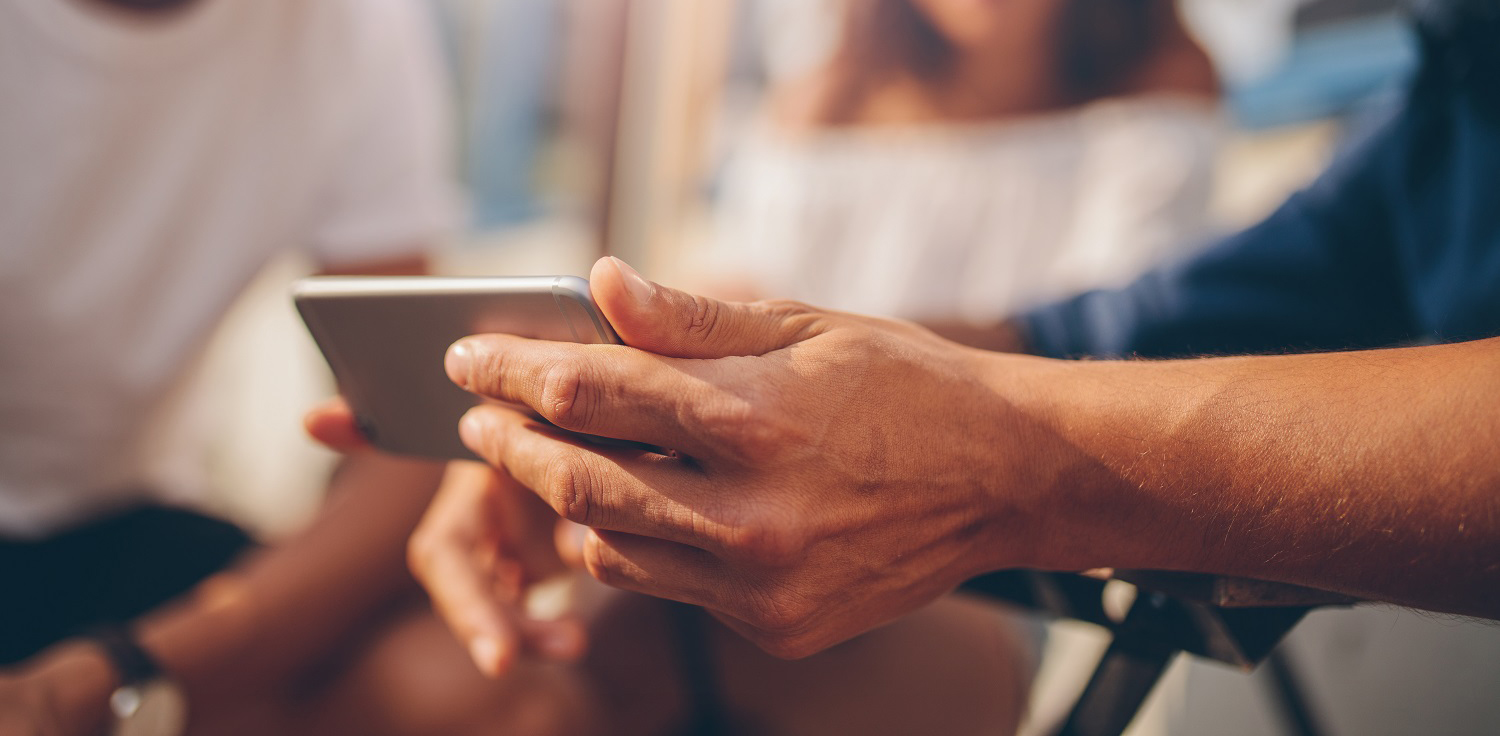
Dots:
(485, 652)
(640, 289)
(460, 356)
(471, 428)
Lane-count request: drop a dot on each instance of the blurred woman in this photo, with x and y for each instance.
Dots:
(962, 159)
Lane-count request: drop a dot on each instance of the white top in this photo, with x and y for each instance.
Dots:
(968, 222)
(150, 170)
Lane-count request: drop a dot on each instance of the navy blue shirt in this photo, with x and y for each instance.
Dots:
(1398, 242)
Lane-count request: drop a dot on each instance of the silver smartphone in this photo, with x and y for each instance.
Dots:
(385, 338)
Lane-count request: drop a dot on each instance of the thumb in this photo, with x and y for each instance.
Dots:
(677, 324)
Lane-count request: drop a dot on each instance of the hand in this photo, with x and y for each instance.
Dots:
(481, 546)
(828, 472)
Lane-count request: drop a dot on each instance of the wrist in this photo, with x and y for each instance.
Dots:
(1058, 502)
(1120, 442)
(220, 622)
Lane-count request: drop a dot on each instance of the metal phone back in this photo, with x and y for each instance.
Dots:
(385, 338)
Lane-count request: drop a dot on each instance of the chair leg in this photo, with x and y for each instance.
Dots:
(1287, 691)
(1116, 692)
(1129, 669)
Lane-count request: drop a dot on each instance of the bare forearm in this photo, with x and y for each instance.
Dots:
(1371, 473)
(279, 613)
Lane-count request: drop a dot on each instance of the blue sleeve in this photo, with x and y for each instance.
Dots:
(1321, 273)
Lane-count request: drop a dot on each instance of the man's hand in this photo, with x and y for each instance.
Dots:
(822, 473)
(826, 473)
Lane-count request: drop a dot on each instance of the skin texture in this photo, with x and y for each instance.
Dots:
(762, 508)
(833, 472)
(956, 666)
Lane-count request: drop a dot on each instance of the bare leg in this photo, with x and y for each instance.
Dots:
(958, 666)
(412, 678)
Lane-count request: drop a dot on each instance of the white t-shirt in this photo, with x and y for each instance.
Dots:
(968, 221)
(150, 169)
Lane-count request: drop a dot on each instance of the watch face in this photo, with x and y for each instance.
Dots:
(156, 708)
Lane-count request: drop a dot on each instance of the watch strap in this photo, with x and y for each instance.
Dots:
(133, 663)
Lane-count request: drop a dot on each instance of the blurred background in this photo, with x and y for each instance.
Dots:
(726, 145)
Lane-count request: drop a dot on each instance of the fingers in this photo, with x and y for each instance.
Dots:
(602, 390)
(624, 490)
(474, 587)
(676, 572)
(695, 406)
(675, 323)
(332, 423)
(654, 567)
(445, 555)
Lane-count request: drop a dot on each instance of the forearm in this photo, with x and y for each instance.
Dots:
(1371, 473)
(280, 613)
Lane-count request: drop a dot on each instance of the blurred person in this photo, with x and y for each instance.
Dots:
(960, 160)
(157, 154)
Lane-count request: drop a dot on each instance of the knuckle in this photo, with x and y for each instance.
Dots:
(566, 399)
(784, 308)
(705, 318)
(569, 488)
(756, 435)
(795, 317)
(768, 540)
(753, 430)
(782, 620)
(486, 373)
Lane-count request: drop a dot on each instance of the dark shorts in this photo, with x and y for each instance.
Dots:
(105, 572)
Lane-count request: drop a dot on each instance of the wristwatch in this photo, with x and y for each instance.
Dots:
(147, 702)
